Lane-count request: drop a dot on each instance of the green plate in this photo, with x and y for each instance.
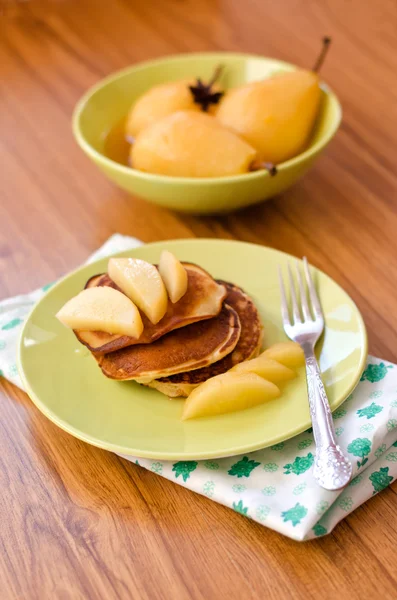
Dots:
(66, 384)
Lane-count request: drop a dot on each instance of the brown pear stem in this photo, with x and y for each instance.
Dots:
(216, 75)
(270, 167)
(322, 55)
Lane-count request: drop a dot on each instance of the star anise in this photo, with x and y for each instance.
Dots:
(203, 93)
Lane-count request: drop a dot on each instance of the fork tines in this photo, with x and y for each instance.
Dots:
(309, 306)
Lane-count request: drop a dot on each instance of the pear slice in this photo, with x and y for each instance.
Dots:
(228, 392)
(141, 282)
(267, 368)
(174, 276)
(289, 354)
(102, 309)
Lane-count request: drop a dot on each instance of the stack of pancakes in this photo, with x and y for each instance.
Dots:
(214, 326)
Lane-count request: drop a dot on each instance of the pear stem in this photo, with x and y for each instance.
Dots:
(216, 75)
(323, 54)
(268, 166)
(271, 168)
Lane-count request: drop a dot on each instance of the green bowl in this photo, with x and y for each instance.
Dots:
(105, 104)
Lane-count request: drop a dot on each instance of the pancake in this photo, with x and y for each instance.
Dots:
(248, 346)
(192, 347)
(203, 300)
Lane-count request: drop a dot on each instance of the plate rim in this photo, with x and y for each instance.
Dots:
(121, 450)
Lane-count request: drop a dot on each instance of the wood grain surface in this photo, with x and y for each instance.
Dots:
(78, 522)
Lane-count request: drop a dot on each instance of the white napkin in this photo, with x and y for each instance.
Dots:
(273, 486)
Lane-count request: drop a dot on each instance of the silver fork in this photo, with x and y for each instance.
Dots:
(332, 470)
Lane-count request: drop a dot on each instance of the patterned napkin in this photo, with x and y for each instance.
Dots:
(273, 486)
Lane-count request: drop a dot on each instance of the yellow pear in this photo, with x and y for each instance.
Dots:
(174, 275)
(265, 367)
(141, 282)
(166, 98)
(191, 144)
(158, 102)
(276, 116)
(102, 309)
(228, 392)
(289, 354)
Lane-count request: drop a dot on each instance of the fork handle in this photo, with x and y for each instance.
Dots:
(332, 469)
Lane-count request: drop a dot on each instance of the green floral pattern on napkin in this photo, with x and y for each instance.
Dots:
(273, 486)
(294, 504)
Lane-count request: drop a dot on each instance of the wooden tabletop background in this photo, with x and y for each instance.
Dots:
(78, 522)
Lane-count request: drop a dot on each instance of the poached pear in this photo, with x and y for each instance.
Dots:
(102, 309)
(228, 392)
(174, 276)
(276, 116)
(166, 98)
(158, 102)
(191, 144)
(141, 282)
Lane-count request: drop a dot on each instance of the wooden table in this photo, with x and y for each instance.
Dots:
(78, 522)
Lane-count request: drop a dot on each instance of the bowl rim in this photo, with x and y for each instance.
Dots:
(170, 179)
